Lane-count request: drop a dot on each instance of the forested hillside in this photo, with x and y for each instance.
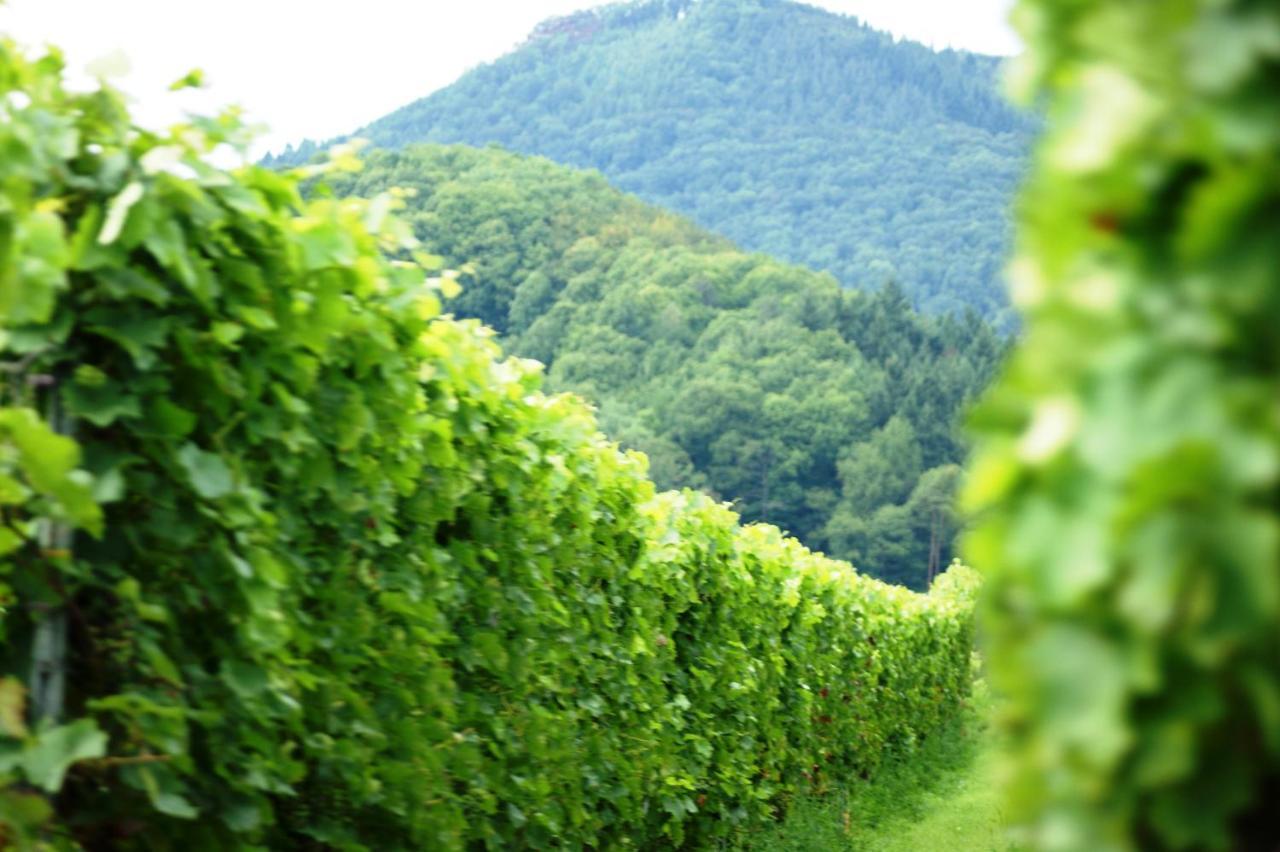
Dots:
(829, 412)
(791, 130)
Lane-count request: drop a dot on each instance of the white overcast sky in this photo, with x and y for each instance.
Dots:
(319, 68)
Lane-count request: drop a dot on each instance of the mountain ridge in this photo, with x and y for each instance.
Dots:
(790, 129)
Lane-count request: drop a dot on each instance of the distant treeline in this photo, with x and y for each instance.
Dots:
(791, 130)
(831, 413)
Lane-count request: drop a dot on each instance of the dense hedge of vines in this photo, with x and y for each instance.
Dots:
(344, 578)
(1130, 464)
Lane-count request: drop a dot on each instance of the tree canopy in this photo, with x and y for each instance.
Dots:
(789, 129)
(812, 407)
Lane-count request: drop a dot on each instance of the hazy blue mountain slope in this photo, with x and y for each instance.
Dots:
(789, 129)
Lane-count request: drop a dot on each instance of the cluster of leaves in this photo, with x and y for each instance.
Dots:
(1130, 459)
(828, 412)
(345, 578)
(792, 130)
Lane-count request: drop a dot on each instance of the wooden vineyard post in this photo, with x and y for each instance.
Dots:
(49, 648)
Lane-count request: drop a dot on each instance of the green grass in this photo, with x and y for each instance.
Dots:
(940, 797)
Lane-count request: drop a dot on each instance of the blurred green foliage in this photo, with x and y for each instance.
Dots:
(1127, 478)
(346, 579)
(832, 414)
(791, 130)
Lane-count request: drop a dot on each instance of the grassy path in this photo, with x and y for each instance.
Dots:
(940, 798)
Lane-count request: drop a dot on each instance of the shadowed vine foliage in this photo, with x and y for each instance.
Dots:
(1129, 460)
(342, 577)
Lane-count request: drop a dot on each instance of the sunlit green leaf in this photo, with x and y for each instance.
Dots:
(53, 751)
(207, 472)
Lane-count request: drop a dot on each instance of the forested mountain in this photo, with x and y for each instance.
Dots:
(829, 412)
(789, 129)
